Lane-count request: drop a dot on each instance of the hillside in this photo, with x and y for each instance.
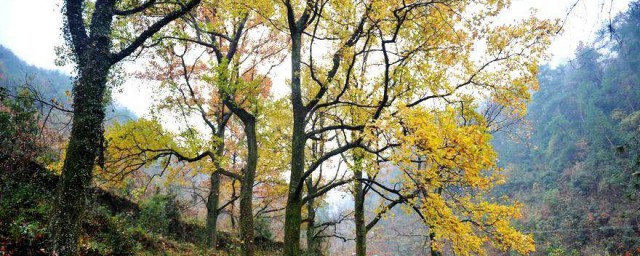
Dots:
(113, 226)
(49, 84)
(574, 163)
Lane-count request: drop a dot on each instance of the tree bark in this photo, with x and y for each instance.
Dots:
(212, 211)
(213, 200)
(293, 210)
(246, 188)
(313, 245)
(84, 147)
(358, 194)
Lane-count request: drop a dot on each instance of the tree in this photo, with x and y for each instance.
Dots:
(231, 32)
(398, 55)
(188, 97)
(90, 33)
(229, 48)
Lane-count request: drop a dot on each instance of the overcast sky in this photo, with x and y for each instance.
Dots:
(32, 29)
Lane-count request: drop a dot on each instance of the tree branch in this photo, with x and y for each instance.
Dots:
(135, 10)
(116, 57)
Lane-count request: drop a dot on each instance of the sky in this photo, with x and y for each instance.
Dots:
(32, 30)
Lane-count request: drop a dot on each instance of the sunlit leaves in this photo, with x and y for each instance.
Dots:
(135, 146)
(455, 169)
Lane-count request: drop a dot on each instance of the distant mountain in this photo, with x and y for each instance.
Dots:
(14, 72)
(49, 84)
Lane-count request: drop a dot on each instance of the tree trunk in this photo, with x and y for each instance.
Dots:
(82, 151)
(293, 210)
(358, 194)
(313, 245)
(213, 200)
(212, 211)
(246, 189)
(232, 217)
(292, 222)
(85, 143)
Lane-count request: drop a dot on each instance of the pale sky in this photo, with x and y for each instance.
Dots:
(32, 29)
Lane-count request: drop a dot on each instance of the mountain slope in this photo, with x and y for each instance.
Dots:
(576, 167)
(49, 84)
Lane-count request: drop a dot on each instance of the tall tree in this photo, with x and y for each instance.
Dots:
(89, 30)
(232, 38)
(414, 53)
(187, 97)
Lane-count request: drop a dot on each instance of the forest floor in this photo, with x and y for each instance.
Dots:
(112, 226)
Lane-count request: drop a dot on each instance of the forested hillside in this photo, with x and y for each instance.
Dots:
(50, 86)
(575, 161)
(14, 72)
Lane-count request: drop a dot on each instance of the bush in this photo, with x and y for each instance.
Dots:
(262, 228)
(154, 215)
